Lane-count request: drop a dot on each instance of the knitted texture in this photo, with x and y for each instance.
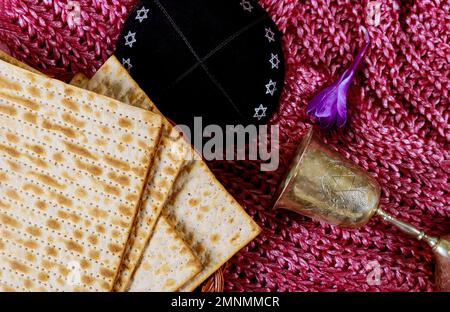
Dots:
(397, 130)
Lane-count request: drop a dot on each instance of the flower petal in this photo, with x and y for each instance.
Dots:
(341, 118)
(330, 104)
(317, 101)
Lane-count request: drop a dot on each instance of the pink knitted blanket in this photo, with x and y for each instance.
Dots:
(398, 129)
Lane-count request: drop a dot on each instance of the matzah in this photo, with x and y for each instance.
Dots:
(121, 87)
(210, 219)
(80, 81)
(167, 263)
(167, 164)
(206, 215)
(11, 60)
(73, 166)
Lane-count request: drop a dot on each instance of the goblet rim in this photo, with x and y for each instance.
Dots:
(298, 158)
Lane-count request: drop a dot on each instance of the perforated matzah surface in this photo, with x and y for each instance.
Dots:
(112, 80)
(167, 164)
(72, 168)
(212, 223)
(210, 220)
(167, 262)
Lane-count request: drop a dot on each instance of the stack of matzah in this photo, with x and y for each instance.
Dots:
(100, 195)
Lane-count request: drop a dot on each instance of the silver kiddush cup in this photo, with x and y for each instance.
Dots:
(324, 185)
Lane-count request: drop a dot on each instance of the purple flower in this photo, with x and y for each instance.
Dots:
(330, 104)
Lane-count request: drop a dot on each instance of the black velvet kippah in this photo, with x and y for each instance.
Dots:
(218, 59)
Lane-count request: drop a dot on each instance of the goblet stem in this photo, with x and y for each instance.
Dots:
(408, 228)
(439, 245)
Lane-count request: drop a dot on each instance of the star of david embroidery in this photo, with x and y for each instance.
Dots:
(142, 14)
(270, 35)
(274, 61)
(127, 64)
(260, 112)
(130, 39)
(271, 87)
(246, 5)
